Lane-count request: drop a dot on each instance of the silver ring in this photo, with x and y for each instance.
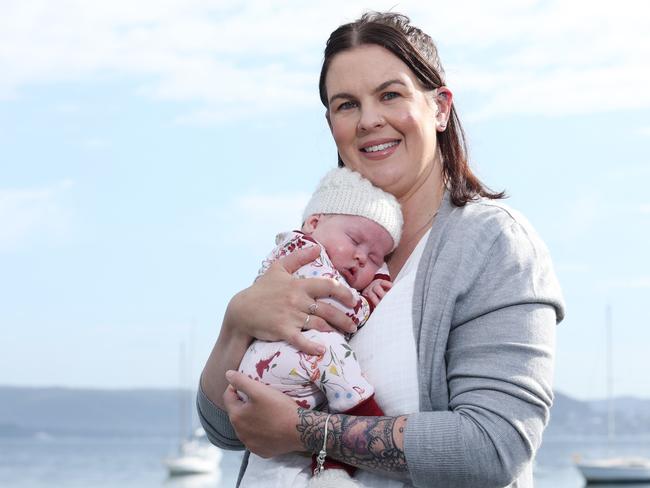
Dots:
(312, 308)
(304, 326)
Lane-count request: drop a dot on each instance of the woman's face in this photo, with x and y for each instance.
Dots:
(382, 120)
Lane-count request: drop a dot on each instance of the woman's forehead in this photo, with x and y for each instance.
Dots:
(367, 64)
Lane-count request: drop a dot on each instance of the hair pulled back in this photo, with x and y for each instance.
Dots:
(394, 32)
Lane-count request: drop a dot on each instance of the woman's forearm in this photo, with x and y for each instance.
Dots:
(226, 354)
(370, 443)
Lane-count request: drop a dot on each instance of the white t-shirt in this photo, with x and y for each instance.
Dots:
(385, 347)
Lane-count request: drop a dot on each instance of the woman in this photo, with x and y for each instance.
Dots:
(461, 349)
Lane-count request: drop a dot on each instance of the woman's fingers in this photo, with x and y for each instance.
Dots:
(277, 305)
(266, 422)
(319, 324)
(242, 383)
(300, 342)
(231, 400)
(294, 261)
(329, 288)
(334, 317)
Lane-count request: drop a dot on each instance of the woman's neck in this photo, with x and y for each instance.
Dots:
(419, 209)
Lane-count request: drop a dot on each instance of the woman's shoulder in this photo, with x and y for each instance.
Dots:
(485, 220)
(489, 239)
(488, 212)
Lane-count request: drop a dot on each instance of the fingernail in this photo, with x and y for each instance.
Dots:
(229, 374)
(321, 349)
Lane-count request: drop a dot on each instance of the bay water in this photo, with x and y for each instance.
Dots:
(130, 462)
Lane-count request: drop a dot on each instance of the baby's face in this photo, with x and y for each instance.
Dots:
(356, 245)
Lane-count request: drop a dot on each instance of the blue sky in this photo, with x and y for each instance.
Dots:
(149, 152)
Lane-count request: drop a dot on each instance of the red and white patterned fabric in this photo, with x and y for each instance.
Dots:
(334, 376)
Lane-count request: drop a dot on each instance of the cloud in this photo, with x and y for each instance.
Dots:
(28, 213)
(235, 59)
(555, 58)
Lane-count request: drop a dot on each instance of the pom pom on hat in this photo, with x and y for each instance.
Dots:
(343, 191)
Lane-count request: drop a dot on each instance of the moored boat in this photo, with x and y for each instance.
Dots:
(615, 470)
(196, 456)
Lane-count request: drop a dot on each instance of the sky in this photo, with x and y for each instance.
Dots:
(151, 150)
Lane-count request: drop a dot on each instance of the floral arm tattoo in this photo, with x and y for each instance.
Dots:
(366, 442)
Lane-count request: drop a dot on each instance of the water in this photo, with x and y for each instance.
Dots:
(136, 462)
(100, 462)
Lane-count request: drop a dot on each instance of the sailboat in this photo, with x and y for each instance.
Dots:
(196, 455)
(613, 469)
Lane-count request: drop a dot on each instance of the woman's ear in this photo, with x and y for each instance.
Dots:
(443, 99)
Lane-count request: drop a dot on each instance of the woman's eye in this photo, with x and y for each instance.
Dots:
(390, 95)
(346, 105)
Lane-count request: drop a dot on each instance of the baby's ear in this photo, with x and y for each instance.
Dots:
(311, 223)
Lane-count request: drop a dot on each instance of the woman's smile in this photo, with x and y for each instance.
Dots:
(379, 149)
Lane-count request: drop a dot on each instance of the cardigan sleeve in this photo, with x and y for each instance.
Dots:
(498, 339)
(216, 423)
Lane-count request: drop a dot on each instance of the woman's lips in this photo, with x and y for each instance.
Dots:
(379, 149)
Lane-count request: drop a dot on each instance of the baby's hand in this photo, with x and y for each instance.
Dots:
(376, 290)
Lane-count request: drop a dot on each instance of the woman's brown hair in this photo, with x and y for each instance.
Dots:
(394, 32)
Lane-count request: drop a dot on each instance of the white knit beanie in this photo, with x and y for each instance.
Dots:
(343, 191)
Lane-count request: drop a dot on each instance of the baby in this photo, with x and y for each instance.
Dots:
(356, 225)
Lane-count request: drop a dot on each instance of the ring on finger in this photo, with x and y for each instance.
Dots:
(312, 308)
(307, 319)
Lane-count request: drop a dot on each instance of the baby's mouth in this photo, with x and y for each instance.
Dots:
(350, 273)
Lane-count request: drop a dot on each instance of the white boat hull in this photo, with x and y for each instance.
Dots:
(190, 465)
(196, 456)
(615, 471)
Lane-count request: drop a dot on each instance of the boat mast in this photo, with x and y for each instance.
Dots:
(611, 426)
(181, 392)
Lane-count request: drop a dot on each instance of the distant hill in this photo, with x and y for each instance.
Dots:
(574, 417)
(27, 411)
(143, 412)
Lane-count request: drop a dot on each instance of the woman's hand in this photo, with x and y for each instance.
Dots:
(266, 422)
(277, 305)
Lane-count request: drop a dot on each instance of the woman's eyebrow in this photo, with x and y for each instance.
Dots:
(383, 86)
(386, 84)
(345, 96)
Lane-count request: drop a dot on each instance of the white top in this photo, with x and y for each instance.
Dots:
(384, 346)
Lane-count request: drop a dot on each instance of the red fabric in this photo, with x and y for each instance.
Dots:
(367, 408)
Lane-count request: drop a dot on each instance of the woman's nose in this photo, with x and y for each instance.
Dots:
(370, 118)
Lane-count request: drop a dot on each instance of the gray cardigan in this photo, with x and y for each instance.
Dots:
(485, 306)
